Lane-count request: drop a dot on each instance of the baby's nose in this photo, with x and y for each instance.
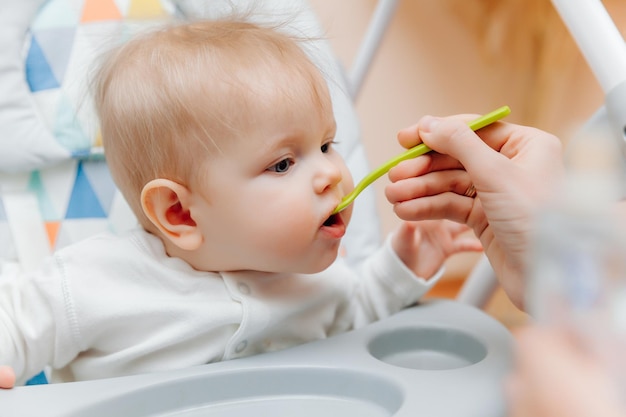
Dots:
(328, 176)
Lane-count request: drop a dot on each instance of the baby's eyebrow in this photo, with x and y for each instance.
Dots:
(283, 142)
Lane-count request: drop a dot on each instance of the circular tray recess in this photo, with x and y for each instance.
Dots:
(428, 348)
(277, 392)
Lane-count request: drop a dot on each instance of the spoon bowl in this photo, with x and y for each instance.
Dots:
(414, 152)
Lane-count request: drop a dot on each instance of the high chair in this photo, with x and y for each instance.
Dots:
(56, 190)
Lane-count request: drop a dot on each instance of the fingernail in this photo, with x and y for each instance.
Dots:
(429, 123)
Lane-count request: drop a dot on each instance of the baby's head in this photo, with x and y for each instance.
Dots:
(219, 135)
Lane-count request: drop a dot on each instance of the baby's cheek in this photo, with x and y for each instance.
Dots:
(347, 182)
(296, 226)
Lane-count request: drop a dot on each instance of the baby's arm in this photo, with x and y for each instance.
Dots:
(404, 268)
(28, 325)
(7, 377)
(423, 246)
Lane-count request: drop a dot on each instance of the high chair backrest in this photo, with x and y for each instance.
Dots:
(46, 209)
(56, 188)
(55, 185)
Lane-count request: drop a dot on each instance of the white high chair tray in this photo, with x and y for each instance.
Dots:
(440, 358)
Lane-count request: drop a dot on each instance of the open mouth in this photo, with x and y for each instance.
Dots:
(332, 220)
(334, 227)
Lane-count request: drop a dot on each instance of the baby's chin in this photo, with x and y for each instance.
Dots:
(319, 265)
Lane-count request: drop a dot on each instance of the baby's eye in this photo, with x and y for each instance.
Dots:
(281, 166)
(326, 147)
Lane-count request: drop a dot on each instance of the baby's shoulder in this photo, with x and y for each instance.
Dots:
(107, 248)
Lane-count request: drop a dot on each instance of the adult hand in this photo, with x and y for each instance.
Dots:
(513, 169)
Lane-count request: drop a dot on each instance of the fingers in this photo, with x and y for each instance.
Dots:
(454, 228)
(452, 136)
(467, 244)
(436, 227)
(441, 206)
(495, 135)
(435, 195)
(411, 187)
(7, 377)
(503, 137)
(410, 136)
(423, 164)
(442, 230)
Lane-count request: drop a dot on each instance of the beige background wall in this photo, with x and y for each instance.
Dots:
(456, 56)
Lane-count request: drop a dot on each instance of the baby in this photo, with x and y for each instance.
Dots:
(220, 135)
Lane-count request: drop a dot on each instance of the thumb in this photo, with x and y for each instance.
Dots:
(452, 136)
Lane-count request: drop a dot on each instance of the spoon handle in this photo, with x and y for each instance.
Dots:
(413, 152)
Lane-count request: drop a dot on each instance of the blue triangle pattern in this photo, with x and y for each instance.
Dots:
(48, 213)
(55, 14)
(39, 379)
(83, 201)
(57, 45)
(38, 73)
(67, 128)
(102, 183)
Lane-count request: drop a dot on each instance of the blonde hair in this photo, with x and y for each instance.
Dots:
(167, 99)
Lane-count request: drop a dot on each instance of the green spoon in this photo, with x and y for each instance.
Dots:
(415, 151)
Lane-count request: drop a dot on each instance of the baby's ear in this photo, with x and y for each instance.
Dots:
(166, 204)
